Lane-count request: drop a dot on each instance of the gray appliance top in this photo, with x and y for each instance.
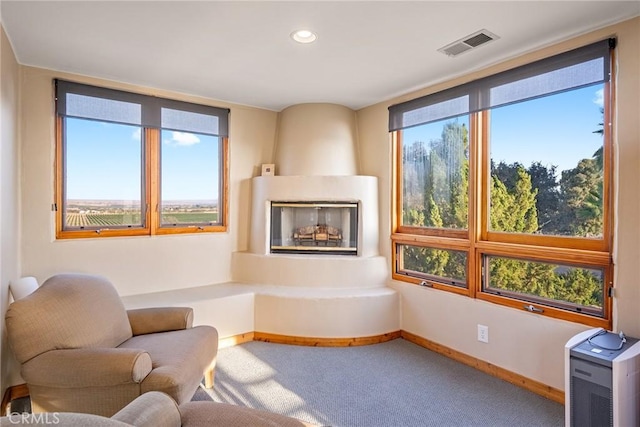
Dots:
(602, 348)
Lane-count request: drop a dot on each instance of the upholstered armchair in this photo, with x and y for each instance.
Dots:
(81, 351)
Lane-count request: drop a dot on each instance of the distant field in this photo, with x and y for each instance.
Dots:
(102, 220)
(133, 219)
(189, 217)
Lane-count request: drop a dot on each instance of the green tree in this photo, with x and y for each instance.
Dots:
(457, 212)
(413, 217)
(440, 174)
(507, 173)
(543, 180)
(427, 260)
(580, 286)
(448, 174)
(523, 200)
(514, 211)
(582, 189)
(432, 262)
(560, 283)
(414, 160)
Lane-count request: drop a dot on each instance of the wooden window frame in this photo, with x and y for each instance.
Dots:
(151, 204)
(479, 241)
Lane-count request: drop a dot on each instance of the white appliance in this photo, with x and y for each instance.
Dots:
(602, 380)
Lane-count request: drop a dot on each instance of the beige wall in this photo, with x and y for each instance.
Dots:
(523, 342)
(134, 264)
(9, 192)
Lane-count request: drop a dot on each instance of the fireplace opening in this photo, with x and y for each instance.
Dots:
(329, 228)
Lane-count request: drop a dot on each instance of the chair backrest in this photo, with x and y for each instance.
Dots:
(67, 311)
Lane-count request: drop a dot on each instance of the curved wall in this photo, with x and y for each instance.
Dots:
(316, 140)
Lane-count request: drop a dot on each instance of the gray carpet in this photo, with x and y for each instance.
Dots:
(392, 384)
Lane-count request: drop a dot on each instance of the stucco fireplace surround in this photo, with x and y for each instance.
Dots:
(304, 292)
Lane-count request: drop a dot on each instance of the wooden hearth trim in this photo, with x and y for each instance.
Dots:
(325, 342)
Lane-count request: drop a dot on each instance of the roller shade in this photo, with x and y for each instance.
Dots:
(110, 105)
(577, 68)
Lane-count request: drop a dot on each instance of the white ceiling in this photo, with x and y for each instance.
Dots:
(239, 51)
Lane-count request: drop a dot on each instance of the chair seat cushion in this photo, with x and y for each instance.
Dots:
(178, 359)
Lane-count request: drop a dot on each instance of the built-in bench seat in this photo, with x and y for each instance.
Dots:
(240, 308)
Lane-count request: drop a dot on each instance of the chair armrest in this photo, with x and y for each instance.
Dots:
(160, 319)
(85, 367)
(152, 409)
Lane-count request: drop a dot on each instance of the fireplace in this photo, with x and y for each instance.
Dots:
(329, 228)
(313, 246)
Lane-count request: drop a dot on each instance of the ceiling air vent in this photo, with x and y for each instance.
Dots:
(469, 42)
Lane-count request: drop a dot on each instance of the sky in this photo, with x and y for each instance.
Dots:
(104, 163)
(553, 130)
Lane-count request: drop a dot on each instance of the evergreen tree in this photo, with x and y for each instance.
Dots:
(440, 174)
(514, 211)
(580, 286)
(449, 174)
(544, 181)
(414, 159)
(581, 190)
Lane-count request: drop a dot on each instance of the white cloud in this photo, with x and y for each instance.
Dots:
(182, 138)
(136, 134)
(599, 98)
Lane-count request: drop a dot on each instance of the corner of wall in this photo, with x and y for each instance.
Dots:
(9, 194)
(358, 144)
(276, 138)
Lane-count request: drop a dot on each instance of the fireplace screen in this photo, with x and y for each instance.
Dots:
(314, 227)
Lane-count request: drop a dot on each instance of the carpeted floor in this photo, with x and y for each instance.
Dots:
(391, 384)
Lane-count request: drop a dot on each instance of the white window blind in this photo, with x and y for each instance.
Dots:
(577, 68)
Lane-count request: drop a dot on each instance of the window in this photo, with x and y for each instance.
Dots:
(438, 265)
(130, 164)
(503, 187)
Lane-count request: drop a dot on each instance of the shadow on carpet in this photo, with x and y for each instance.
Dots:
(391, 384)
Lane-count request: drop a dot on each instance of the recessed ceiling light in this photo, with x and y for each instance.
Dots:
(304, 36)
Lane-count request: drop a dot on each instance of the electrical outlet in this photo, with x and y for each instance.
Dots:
(483, 333)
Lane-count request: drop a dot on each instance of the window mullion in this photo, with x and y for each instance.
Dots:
(609, 89)
(484, 174)
(477, 199)
(396, 213)
(59, 176)
(225, 184)
(152, 172)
